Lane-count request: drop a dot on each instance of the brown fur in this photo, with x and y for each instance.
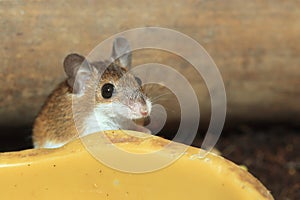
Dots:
(55, 122)
(65, 113)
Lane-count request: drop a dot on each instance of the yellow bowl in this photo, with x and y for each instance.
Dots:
(71, 172)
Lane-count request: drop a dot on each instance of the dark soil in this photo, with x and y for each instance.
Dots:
(272, 154)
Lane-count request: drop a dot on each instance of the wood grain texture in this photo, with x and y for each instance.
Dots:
(255, 44)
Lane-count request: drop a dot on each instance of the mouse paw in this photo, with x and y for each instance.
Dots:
(142, 129)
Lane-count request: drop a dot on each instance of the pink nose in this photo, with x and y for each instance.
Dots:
(144, 111)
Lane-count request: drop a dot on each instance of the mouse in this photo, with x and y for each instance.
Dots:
(107, 97)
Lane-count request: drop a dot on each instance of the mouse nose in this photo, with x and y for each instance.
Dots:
(144, 111)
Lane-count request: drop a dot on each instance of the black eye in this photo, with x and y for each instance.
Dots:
(107, 90)
(138, 80)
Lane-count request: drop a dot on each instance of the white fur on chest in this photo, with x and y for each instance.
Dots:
(103, 118)
(49, 145)
(113, 116)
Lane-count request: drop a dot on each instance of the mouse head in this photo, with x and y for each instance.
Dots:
(117, 91)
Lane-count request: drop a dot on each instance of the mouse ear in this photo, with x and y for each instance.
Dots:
(121, 52)
(78, 71)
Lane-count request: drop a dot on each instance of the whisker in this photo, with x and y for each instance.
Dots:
(159, 96)
(158, 100)
(155, 101)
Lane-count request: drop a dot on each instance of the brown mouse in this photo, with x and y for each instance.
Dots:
(100, 95)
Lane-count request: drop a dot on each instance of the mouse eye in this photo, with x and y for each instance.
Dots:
(107, 90)
(138, 80)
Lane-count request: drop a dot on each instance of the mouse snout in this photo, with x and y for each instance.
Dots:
(139, 109)
(144, 111)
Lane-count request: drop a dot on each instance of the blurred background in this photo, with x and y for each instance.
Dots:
(255, 44)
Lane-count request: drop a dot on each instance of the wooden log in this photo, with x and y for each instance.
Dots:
(255, 44)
